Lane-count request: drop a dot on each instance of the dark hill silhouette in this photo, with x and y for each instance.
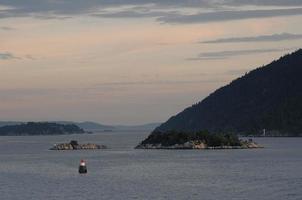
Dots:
(40, 128)
(269, 97)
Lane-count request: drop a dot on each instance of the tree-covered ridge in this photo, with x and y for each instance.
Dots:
(170, 138)
(40, 128)
(269, 97)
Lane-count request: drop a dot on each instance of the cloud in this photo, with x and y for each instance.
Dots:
(227, 16)
(30, 57)
(177, 17)
(6, 28)
(18, 94)
(217, 55)
(132, 14)
(62, 9)
(259, 38)
(154, 82)
(265, 2)
(7, 56)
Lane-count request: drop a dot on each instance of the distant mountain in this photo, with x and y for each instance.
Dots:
(269, 98)
(93, 126)
(7, 123)
(143, 127)
(83, 125)
(40, 128)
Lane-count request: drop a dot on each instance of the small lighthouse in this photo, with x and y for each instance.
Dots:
(82, 167)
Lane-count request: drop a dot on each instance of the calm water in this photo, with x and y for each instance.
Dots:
(28, 170)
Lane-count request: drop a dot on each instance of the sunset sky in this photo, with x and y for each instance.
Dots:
(131, 61)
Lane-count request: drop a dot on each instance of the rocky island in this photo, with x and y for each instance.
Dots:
(74, 145)
(197, 140)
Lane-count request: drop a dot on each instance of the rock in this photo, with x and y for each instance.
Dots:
(253, 145)
(188, 145)
(199, 145)
(73, 145)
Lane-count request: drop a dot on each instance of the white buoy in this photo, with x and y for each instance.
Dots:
(82, 167)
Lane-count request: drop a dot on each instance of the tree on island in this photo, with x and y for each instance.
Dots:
(173, 137)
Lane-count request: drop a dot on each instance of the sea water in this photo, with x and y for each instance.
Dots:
(28, 170)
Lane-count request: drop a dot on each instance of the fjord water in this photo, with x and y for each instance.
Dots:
(28, 170)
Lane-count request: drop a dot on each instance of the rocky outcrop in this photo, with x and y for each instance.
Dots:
(250, 144)
(73, 145)
(197, 144)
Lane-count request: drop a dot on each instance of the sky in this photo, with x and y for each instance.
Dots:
(132, 61)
